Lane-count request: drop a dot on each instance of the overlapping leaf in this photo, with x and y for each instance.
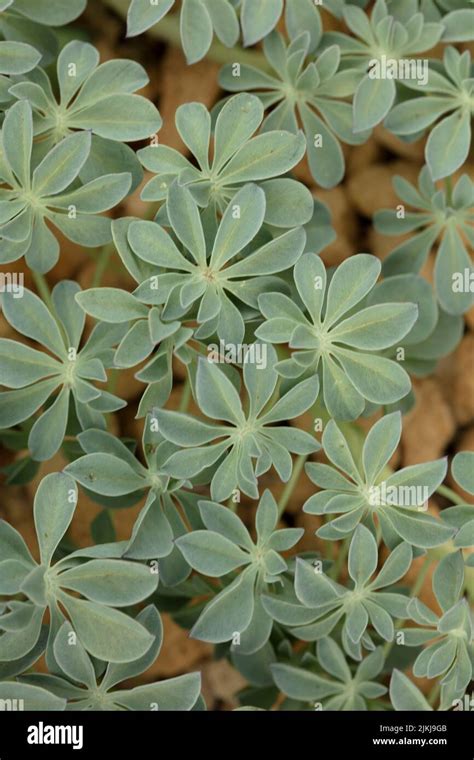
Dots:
(47, 380)
(450, 220)
(313, 94)
(251, 443)
(44, 194)
(329, 339)
(239, 157)
(236, 613)
(103, 582)
(452, 651)
(366, 492)
(75, 678)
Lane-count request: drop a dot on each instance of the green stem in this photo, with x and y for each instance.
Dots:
(168, 30)
(103, 259)
(416, 588)
(113, 379)
(45, 294)
(329, 547)
(434, 694)
(288, 490)
(43, 290)
(335, 571)
(450, 494)
(449, 190)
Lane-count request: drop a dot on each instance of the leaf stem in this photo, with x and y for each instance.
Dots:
(434, 693)
(102, 261)
(113, 379)
(45, 294)
(449, 190)
(288, 490)
(43, 290)
(416, 588)
(450, 494)
(340, 559)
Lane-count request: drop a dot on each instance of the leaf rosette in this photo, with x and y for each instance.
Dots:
(451, 653)
(320, 603)
(48, 192)
(449, 220)
(226, 546)
(313, 94)
(239, 157)
(326, 337)
(103, 582)
(249, 435)
(89, 685)
(63, 371)
(368, 492)
(344, 691)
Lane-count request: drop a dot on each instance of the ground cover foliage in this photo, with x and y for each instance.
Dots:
(259, 365)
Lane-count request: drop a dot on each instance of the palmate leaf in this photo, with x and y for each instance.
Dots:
(224, 547)
(379, 37)
(96, 97)
(450, 647)
(204, 281)
(249, 436)
(36, 195)
(347, 692)
(35, 376)
(147, 249)
(363, 605)
(362, 494)
(450, 219)
(339, 348)
(110, 471)
(447, 94)
(314, 93)
(105, 583)
(227, 246)
(239, 157)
